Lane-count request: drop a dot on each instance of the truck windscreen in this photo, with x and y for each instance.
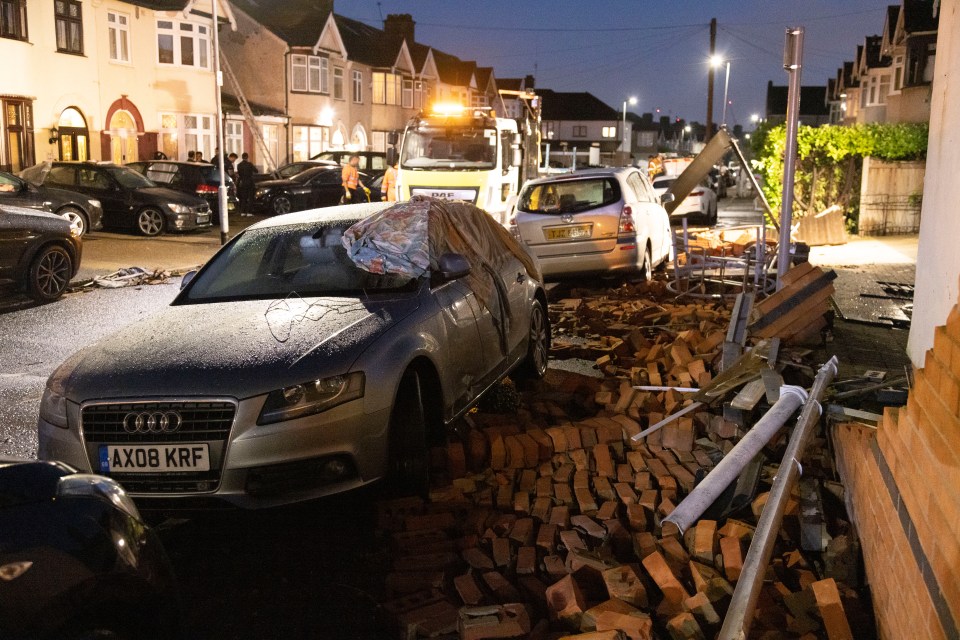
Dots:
(449, 148)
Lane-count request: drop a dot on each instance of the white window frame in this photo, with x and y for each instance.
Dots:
(338, 78)
(407, 93)
(298, 65)
(418, 94)
(357, 79)
(314, 74)
(118, 33)
(204, 135)
(233, 136)
(378, 141)
(608, 132)
(199, 36)
(897, 74)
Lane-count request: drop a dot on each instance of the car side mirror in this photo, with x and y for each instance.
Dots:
(391, 156)
(667, 198)
(393, 138)
(187, 279)
(453, 266)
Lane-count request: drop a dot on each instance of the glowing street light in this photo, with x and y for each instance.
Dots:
(716, 62)
(632, 100)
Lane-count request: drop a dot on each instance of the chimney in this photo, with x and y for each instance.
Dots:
(399, 27)
(528, 82)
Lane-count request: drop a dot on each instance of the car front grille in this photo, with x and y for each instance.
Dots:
(200, 422)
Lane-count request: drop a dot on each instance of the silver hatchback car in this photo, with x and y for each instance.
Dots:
(283, 371)
(594, 221)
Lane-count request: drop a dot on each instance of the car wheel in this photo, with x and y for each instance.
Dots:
(713, 216)
(538, 347)
(151, 222)
(646, 270)
(76, 217)
(49, 274)
(281, 205)
(409, 472)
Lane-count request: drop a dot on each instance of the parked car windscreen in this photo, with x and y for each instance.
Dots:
(569, 196)
(449, 148)
(128, 178)
(306, 260)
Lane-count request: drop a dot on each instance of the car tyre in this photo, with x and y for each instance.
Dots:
(77, 217)
(646, 270)
(281, 205)
(713, 215)
(534, 366)
(409, 472)
(49, 274)
(151, 222)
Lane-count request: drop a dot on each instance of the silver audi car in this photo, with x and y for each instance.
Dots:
(283, 371)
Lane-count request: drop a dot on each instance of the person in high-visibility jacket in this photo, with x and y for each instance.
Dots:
(388, 188)
(350, 179)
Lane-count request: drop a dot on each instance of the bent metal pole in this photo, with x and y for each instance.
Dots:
(703, 495)
(736, 624)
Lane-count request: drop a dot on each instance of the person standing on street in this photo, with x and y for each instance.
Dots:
(231, 166)
(350, 179)
(389, 186)
(245, 184)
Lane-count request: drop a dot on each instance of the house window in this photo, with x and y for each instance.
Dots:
(379, 87)
(391, 81)
(271, 138)
(309, 140)
(69, 23)
(181, 133)
(418, 95)
(579, 131)
(898, 73)
(884, 89)
(185, 44)
(16, 153)
(549, 130)
(378, 141)
(358, 86)
(387, 88)
(13, 19)
(338, 83)
(407, 94)
(233, 136)
(118, 32)
(298, 73)
(930, 63)
(873, 91)
(609, 132)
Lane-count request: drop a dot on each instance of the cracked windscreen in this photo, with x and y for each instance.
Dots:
(569, 196)
(273, 262)
(449, 148)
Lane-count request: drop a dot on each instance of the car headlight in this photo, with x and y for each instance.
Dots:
(53, 408)
(95, 203)
(311, 397)
(261, 192)
(179, 208)
(89, 485)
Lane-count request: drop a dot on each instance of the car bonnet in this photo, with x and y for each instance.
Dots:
(233, 349)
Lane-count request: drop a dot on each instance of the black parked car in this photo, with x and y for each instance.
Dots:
(131, 200)
(39, 253)
(27, 191)
(293, 168)
(199, 178)
(76, 559)
(373, 163)
(317, 187)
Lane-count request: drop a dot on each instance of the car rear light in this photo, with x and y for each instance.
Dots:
(203, 189)
(696, 193)
(626, 223)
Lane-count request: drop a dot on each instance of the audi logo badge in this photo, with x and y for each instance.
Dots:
(152, 422)
(567, 217)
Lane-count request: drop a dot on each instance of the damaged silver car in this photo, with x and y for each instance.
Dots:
(316, 352)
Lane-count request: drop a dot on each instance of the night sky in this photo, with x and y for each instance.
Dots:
(655, 51)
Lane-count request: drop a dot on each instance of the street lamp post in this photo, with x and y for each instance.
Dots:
(632, 100)
(716, 61)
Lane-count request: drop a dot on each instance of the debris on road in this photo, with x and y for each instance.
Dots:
(546, 520)
(128, 277)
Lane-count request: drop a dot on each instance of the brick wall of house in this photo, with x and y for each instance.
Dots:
(904, 479)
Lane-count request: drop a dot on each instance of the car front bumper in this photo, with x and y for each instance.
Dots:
(257, 466)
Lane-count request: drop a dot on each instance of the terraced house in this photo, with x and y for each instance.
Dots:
(106, 79)
(318, 81)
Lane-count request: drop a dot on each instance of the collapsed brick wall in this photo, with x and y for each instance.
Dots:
(905, 484)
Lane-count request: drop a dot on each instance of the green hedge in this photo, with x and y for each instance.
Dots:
(829, 160)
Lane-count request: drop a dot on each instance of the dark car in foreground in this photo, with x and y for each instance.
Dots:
(130, 200)
(320, 186)
(39, 252)
(86, 213)
(284, 371)
(76, 559)
(198, 178)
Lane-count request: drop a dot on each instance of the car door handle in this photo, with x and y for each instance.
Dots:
(520, 277)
